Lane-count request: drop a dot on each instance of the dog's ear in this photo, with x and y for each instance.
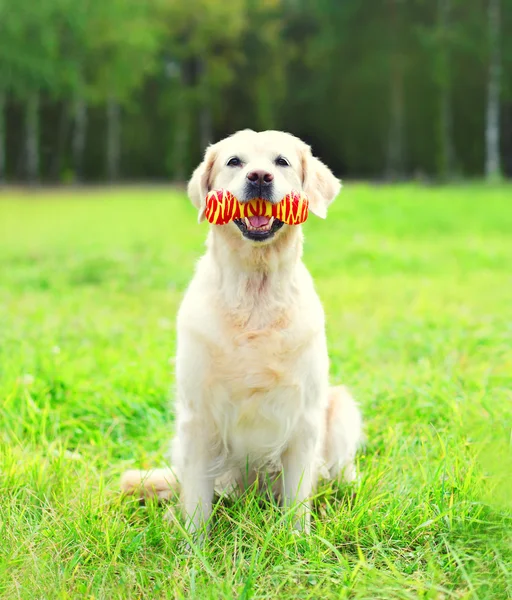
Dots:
(200, 182)
(318, 182)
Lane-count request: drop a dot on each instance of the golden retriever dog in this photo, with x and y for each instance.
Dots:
(253, 400)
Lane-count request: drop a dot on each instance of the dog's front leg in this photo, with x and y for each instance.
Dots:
(197, 489)
(298, 480)
(192, 459)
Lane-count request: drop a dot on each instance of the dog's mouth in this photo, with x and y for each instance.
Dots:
(258, 228)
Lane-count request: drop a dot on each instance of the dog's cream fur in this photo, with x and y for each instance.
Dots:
(253, 400)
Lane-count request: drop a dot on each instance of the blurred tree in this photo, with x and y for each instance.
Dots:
(339, 91)
(29, 59)
(74, 30)
(506, 81)
(3, 105)
(202, 43)
(5, 75)
(446, 152)
(492, 121)
(123, 42)
(79, 134)
(398, 55)
(379, 87)
(260, 81)
(437, 38)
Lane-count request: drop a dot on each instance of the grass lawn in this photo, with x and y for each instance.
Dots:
(417, 286)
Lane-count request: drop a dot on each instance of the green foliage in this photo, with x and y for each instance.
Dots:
(415, 283)
(29, 57)
(123, 39)
(369, 83)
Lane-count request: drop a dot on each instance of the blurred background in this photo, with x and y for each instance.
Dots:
(108, 90)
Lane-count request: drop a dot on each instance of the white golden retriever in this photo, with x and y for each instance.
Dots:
(253, 398)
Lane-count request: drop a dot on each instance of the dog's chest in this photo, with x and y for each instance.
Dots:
(252, 357)
(256, 381)
(259, 360)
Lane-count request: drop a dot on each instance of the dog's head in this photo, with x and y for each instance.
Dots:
(268, 165)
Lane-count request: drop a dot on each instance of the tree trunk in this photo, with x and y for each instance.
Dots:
(79, 136)
(205, 113)
(395, 146)
(32, 137)
(181, 134)
(181, 141)
(205, 126)
(62, 133)
(446, 159)
(492, 121)
(3, 103)
(113, 138)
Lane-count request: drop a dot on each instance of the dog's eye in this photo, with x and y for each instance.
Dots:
(234, 162)
(282, 162)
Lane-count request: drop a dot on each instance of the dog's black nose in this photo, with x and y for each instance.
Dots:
(260, 177)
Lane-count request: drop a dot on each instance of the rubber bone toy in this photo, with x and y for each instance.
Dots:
(222, 207)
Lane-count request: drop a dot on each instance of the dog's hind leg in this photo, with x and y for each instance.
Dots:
(344, 435)
(157, 483)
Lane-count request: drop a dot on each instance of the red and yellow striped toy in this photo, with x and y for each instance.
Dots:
(222, 207)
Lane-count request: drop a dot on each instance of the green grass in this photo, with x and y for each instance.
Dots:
(417, 286)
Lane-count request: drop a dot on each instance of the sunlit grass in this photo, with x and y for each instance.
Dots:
(417, 288)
